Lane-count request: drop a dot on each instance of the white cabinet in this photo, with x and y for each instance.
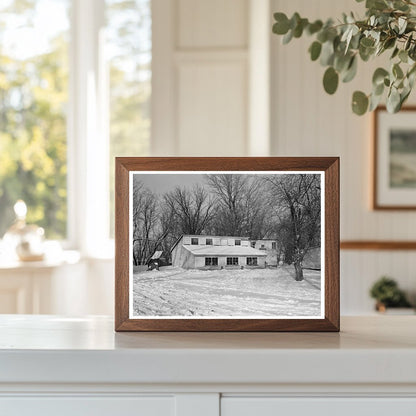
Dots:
(267, 406)
(65, 366)
(88, 406)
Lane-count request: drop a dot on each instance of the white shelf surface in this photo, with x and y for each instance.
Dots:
(53, 349)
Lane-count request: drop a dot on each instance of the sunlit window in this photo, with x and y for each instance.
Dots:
(41, 82)
(33, 102)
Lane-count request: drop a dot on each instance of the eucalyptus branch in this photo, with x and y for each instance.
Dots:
(388, 26)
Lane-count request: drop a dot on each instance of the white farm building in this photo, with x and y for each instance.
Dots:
(216, 252)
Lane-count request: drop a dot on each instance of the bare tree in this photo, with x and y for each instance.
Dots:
(191, 210)
(295, 199)
(149, 228)
(240, 211)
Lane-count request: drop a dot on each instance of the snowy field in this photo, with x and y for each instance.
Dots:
(248, 292)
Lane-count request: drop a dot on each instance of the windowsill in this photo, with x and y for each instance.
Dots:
(65, 257)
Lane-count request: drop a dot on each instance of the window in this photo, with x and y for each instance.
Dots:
(232, 261)
(274, 245)
(262, 247)
(211, 261)
(237, 242)
(34, 68)
(253, 244)
(59, 134)
(194, 241)
(208, 241)
(251, 261)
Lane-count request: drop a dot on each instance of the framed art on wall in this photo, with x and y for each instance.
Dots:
(227, 244)
(394, 177)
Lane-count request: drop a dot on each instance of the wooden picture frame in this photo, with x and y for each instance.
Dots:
(391, 174)
(326, 168)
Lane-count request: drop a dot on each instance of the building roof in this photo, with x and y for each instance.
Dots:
(206, 236)
(215, 236)
(157, 255)
(223, 251)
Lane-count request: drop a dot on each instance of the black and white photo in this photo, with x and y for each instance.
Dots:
(226, 244)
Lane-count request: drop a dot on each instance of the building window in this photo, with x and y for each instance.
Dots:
(208, 242)
(232, 261)
(56, 127)
(194, 241)
(274, 245)
(251, 261)
(262, 247)
(253, 244)
(237, 242)
(211, 261)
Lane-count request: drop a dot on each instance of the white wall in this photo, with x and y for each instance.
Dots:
(308, 122)
(211, 91)
(202, 83)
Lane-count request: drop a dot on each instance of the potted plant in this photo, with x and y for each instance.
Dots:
(387, 294)
(389, 27)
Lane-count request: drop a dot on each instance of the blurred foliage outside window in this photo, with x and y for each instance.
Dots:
(33, 101)
(34, 68)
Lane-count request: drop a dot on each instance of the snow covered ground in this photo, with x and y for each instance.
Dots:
(240, 292)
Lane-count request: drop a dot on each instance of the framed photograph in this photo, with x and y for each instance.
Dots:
(227, 244)
(394, 179)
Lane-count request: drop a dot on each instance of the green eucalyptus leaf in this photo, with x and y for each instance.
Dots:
(314, 27)
(359, 103)
(294, 20)
(366, 53)
(408, 42)
(379, 75)
(374, 102)
(322, 36)
(330, 80)
(342, 62)
(393, 101)
(288, 37)
(367, 42)
(281, 27)
(378, 89)
(298, 30)
(395, 52)
(315, 50)
(327, 54)
(351, 71)
(397, 71)
(402, 22)
(403, 56)
(389, 43)
(376, 4)
(400, 5)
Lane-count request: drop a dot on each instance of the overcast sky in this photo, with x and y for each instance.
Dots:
(162, 183)
(165, 182)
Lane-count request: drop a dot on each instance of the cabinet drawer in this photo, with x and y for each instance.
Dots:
(273, 406)
(87, 406)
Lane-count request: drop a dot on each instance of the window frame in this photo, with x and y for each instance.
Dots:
(252, 261)
(211, 261)
(232, 261)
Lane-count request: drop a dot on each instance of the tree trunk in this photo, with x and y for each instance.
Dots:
(298, 270)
